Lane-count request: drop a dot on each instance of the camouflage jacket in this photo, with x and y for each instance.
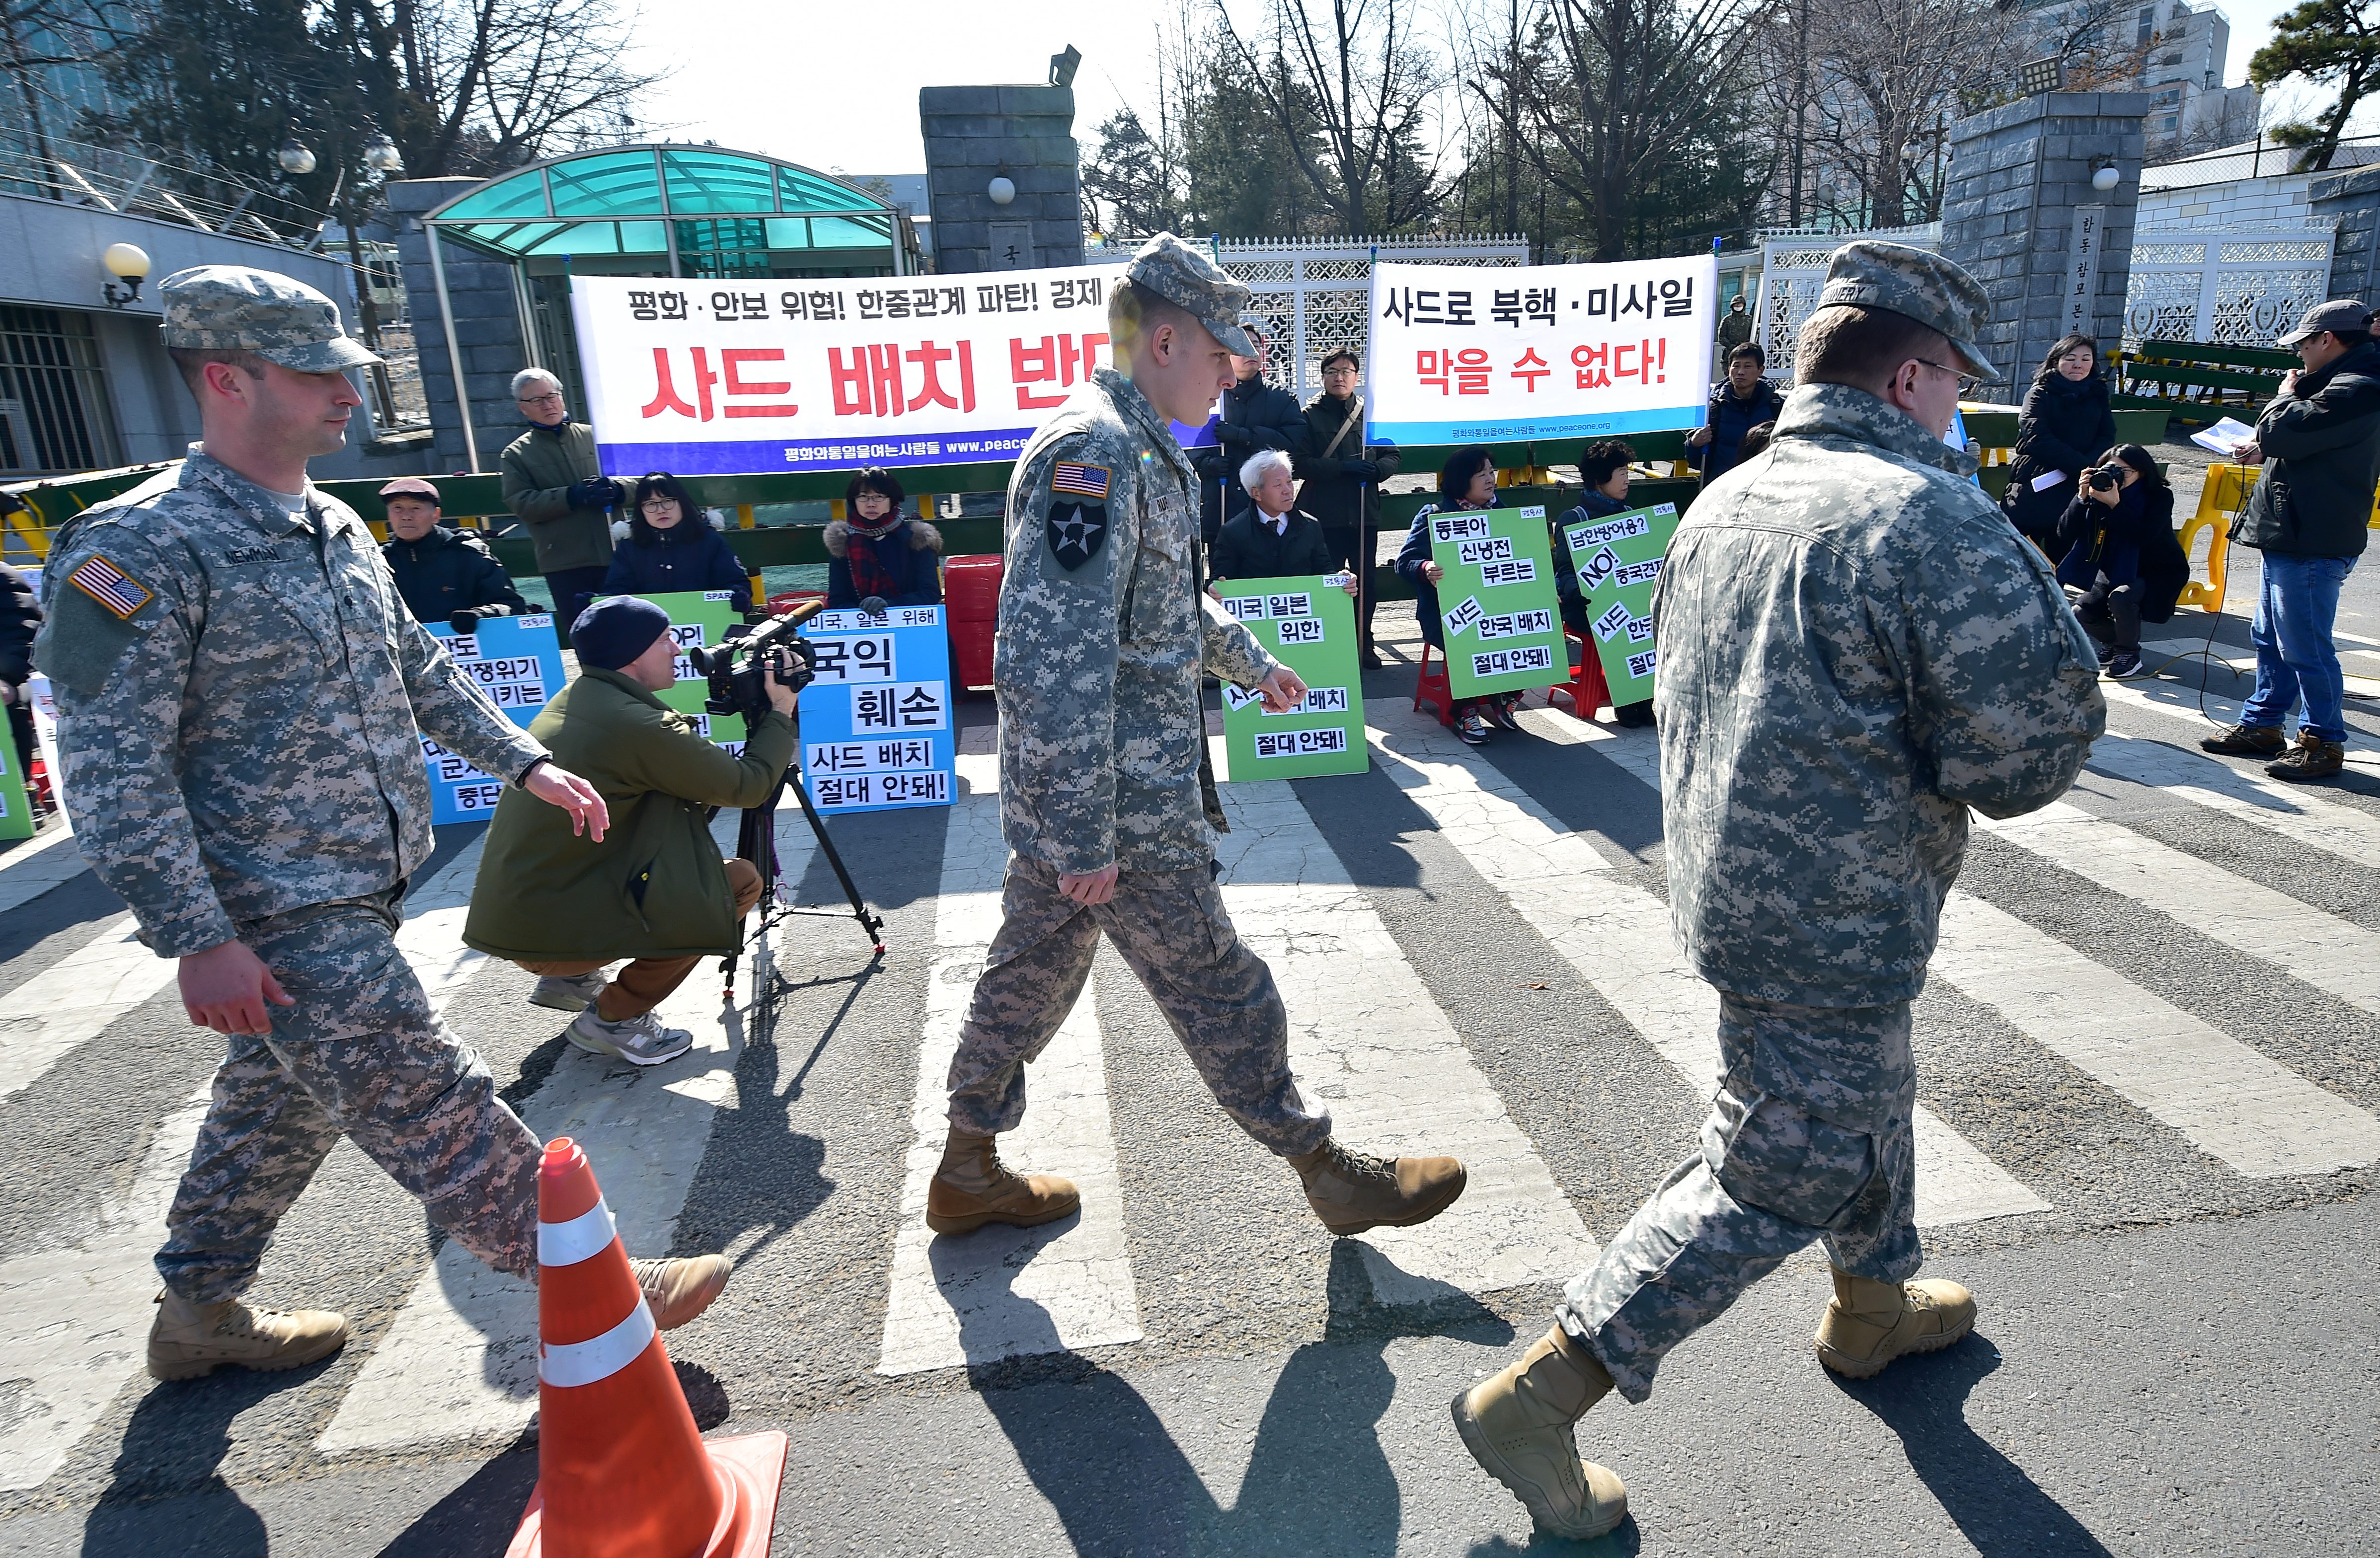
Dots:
(236, 714)
(1102, 636)
(1855, 647)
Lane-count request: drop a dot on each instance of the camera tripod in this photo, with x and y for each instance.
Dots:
(756, 840)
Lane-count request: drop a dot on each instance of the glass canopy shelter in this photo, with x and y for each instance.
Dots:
(692, 212)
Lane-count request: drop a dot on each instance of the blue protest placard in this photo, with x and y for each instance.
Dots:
(876, 722)
(515, 662)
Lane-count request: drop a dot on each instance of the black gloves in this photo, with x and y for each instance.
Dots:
(1231, 437)
(1362, 470)
(874, 606)
(594, 492)
(464, 620)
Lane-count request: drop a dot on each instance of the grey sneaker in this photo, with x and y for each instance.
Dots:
(575, 994)
(640, 1041)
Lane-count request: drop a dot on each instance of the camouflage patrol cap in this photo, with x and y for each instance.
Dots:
(1917, 286)
(1181, 274)
(233, 308)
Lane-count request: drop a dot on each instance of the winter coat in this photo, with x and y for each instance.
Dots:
(1246, 548)
(910, 551)
(540, 468)
(1340, 501)
(20, 617)
(447, 571)
(2165, 567)
(2322, 457)
(2064, 426)
(1256, 417)
(1730, 418)
(689, 555)
(655, 886)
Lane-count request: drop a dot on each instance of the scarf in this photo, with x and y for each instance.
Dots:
(868, 574)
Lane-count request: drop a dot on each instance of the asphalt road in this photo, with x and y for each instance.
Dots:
(2180, 1340)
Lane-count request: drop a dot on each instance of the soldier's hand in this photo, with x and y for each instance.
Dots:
(225, 987)
(1281, 690)
(557, 786)
(1098, 886)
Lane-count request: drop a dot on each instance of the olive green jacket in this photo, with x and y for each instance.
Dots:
(539, 469)
(655, 886)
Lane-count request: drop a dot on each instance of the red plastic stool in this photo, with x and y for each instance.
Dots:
(1585, 689)
(1430, 687)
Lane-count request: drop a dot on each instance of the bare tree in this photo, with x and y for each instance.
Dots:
(500, 78)
(1892, 73)
(1350, 95)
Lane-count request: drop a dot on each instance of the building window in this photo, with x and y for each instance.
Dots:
(54, 406)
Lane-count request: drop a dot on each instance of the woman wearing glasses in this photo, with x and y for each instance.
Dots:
(670, 548)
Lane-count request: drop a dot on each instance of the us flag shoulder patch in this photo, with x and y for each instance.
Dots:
(110, 585)
(1084, 481)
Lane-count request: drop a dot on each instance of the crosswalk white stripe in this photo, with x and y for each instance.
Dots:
(2293, 811)
(2331, 954)
(36, 865)
(2259, 1117)
(2179, 702)
(1002, 1292)
(460, 1362)
(1618, 937)
(1367, 1039)
(74, 1324)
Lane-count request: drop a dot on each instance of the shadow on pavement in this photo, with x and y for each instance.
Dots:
(1999, 1509)
(1318, 1480)
(166, 1495)
(477, 1517)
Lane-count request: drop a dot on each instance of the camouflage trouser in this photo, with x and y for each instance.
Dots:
(1772, 1177)
(360, 1055)
(1172, 928)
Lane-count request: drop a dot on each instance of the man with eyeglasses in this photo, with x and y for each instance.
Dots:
(1854, 650)
(1342, 481)
(554, 485)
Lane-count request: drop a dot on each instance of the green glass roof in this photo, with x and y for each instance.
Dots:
(653, 182)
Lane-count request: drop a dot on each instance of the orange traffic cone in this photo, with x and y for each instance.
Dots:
(622, 1472)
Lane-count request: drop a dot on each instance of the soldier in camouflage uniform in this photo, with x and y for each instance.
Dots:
(1103, 634)
(1855, 648)
(241, 698)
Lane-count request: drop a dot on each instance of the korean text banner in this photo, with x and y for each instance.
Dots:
(1309, 625)
(1617, 560)
(710, 377)
(699, 619)
(876, 721)
(515, 662)
(1465, 356)
(1496, 602)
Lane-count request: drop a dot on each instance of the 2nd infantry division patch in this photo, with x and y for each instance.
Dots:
(1078, 524)
(110, 585)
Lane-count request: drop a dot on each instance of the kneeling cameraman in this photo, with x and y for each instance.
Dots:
(655, 889)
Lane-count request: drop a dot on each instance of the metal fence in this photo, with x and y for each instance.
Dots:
(2229, 287)
(1793, 272)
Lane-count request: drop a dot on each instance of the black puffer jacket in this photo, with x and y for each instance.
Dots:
(445, 572)
(20, 617)
(1730, 418)
(1255, 416)
(1339, 501)
(2322, 456)
(2065, 426)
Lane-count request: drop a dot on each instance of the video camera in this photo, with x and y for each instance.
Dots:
(739, 665)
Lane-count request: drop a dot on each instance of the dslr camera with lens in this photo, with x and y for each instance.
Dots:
(2104, 478)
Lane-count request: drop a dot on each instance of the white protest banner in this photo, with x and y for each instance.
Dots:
(702, 377)
(1466, 356)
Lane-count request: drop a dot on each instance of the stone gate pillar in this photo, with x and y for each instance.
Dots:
(2021, 214)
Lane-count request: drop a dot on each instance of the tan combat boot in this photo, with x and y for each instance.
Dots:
(1353, 1192)
(678, 1290)
(190, 1340)
(973, 1187)
(1517, 1424)
(1870, 1323)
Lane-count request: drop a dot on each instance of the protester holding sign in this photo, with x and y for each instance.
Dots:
(1605, 469)
(874, 558)
(669, 550)
(445, 576)
(1252, 415)
(1273, 539)
(1467, 481)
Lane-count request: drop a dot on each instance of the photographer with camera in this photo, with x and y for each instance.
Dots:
(2120, 505)
(654, 889)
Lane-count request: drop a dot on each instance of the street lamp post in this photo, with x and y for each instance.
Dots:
(380, 158)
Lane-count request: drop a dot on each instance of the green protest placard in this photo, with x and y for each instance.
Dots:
(1504, 627)
(1617, 559)
(699, 619)
(1309, 625)
(15, 812)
